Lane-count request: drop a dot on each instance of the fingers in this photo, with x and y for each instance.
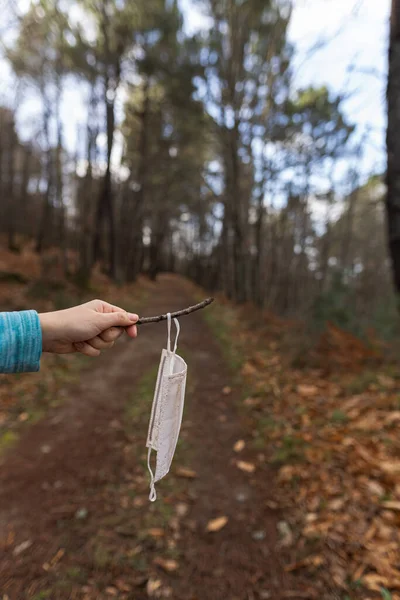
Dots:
(104, 341)
(98, 343)
(105, 307)
(118, 319)
(86, 349)
(131, 331)
(112, 334)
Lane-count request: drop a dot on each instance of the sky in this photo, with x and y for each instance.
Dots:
(352, 60)
(353, 38)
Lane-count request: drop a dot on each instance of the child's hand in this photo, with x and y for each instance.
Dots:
(88, 328)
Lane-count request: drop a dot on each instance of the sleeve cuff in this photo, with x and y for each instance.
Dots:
(20, 342)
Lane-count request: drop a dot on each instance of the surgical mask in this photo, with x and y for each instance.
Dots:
(167, 410)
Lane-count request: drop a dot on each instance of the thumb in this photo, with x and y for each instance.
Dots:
(118, 319)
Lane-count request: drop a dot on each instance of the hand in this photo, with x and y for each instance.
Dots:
(88, 328)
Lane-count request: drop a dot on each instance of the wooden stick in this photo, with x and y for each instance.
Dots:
(179, 313)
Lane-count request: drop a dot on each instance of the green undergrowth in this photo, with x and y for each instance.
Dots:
(223, 321)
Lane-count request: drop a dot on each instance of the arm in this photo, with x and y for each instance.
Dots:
(89, 329)
(20, 342)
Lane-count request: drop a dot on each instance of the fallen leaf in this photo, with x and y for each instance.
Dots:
(81, 514)
(122, 586)
(217, 524)
(238, 447)
(167, 564)
(23, 417)
(248, 467)
(307, 390)
(124, 502)
(139, 501)
(285, 533)
(287, 473)
(156, 532)
(358, 573)
(112, 591)
(392, 467)
(375, 582)
(248, 369)
(182, 509)
(22, 547)
(392, 417)
(314, 561)
(386, 381)
(186, 473)
(152, 586)
(252, 401)
(57, 557)
(375, 488)
(226, 390)
(336, 504)
(391, 505)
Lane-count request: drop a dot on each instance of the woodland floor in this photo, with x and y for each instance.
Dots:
(73, 492)
(76, 523)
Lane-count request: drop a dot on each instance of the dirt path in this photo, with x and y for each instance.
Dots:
(73, 506)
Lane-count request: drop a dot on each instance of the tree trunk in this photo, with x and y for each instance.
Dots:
(393, 144)
(86, 195)
(135, 260)
(10, 196)
(239, 250)
(59, 188)
(25, 178)
(258, 288)
(105, 211)
(48, 175)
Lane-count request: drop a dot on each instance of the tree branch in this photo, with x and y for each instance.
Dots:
(179, 313)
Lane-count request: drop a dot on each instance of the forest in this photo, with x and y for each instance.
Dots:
(193, 154)
(154, 153)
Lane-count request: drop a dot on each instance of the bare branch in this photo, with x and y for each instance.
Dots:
(179, 313)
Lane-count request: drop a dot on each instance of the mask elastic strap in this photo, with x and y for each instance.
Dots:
(178, 329)
(153, 493)
(169, 332)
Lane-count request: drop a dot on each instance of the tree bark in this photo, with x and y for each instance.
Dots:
(59, 187)
(105, 210)
(135, 260)
(10, 195)
(393, 144)
(48, 175)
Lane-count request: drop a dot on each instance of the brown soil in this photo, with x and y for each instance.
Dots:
(80, 456)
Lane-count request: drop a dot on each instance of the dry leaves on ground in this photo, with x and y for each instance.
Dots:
(335, 436)
(217, 524)
(247, 467)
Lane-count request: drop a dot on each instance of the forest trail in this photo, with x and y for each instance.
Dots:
(75, 521)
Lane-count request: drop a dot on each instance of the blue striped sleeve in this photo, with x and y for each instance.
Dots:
(20, 342)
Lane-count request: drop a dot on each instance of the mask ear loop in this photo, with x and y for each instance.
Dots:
(153, 493)
(169, 332)
(172, 361)
(178, 329)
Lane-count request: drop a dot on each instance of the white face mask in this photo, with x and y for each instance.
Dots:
(167, 410)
